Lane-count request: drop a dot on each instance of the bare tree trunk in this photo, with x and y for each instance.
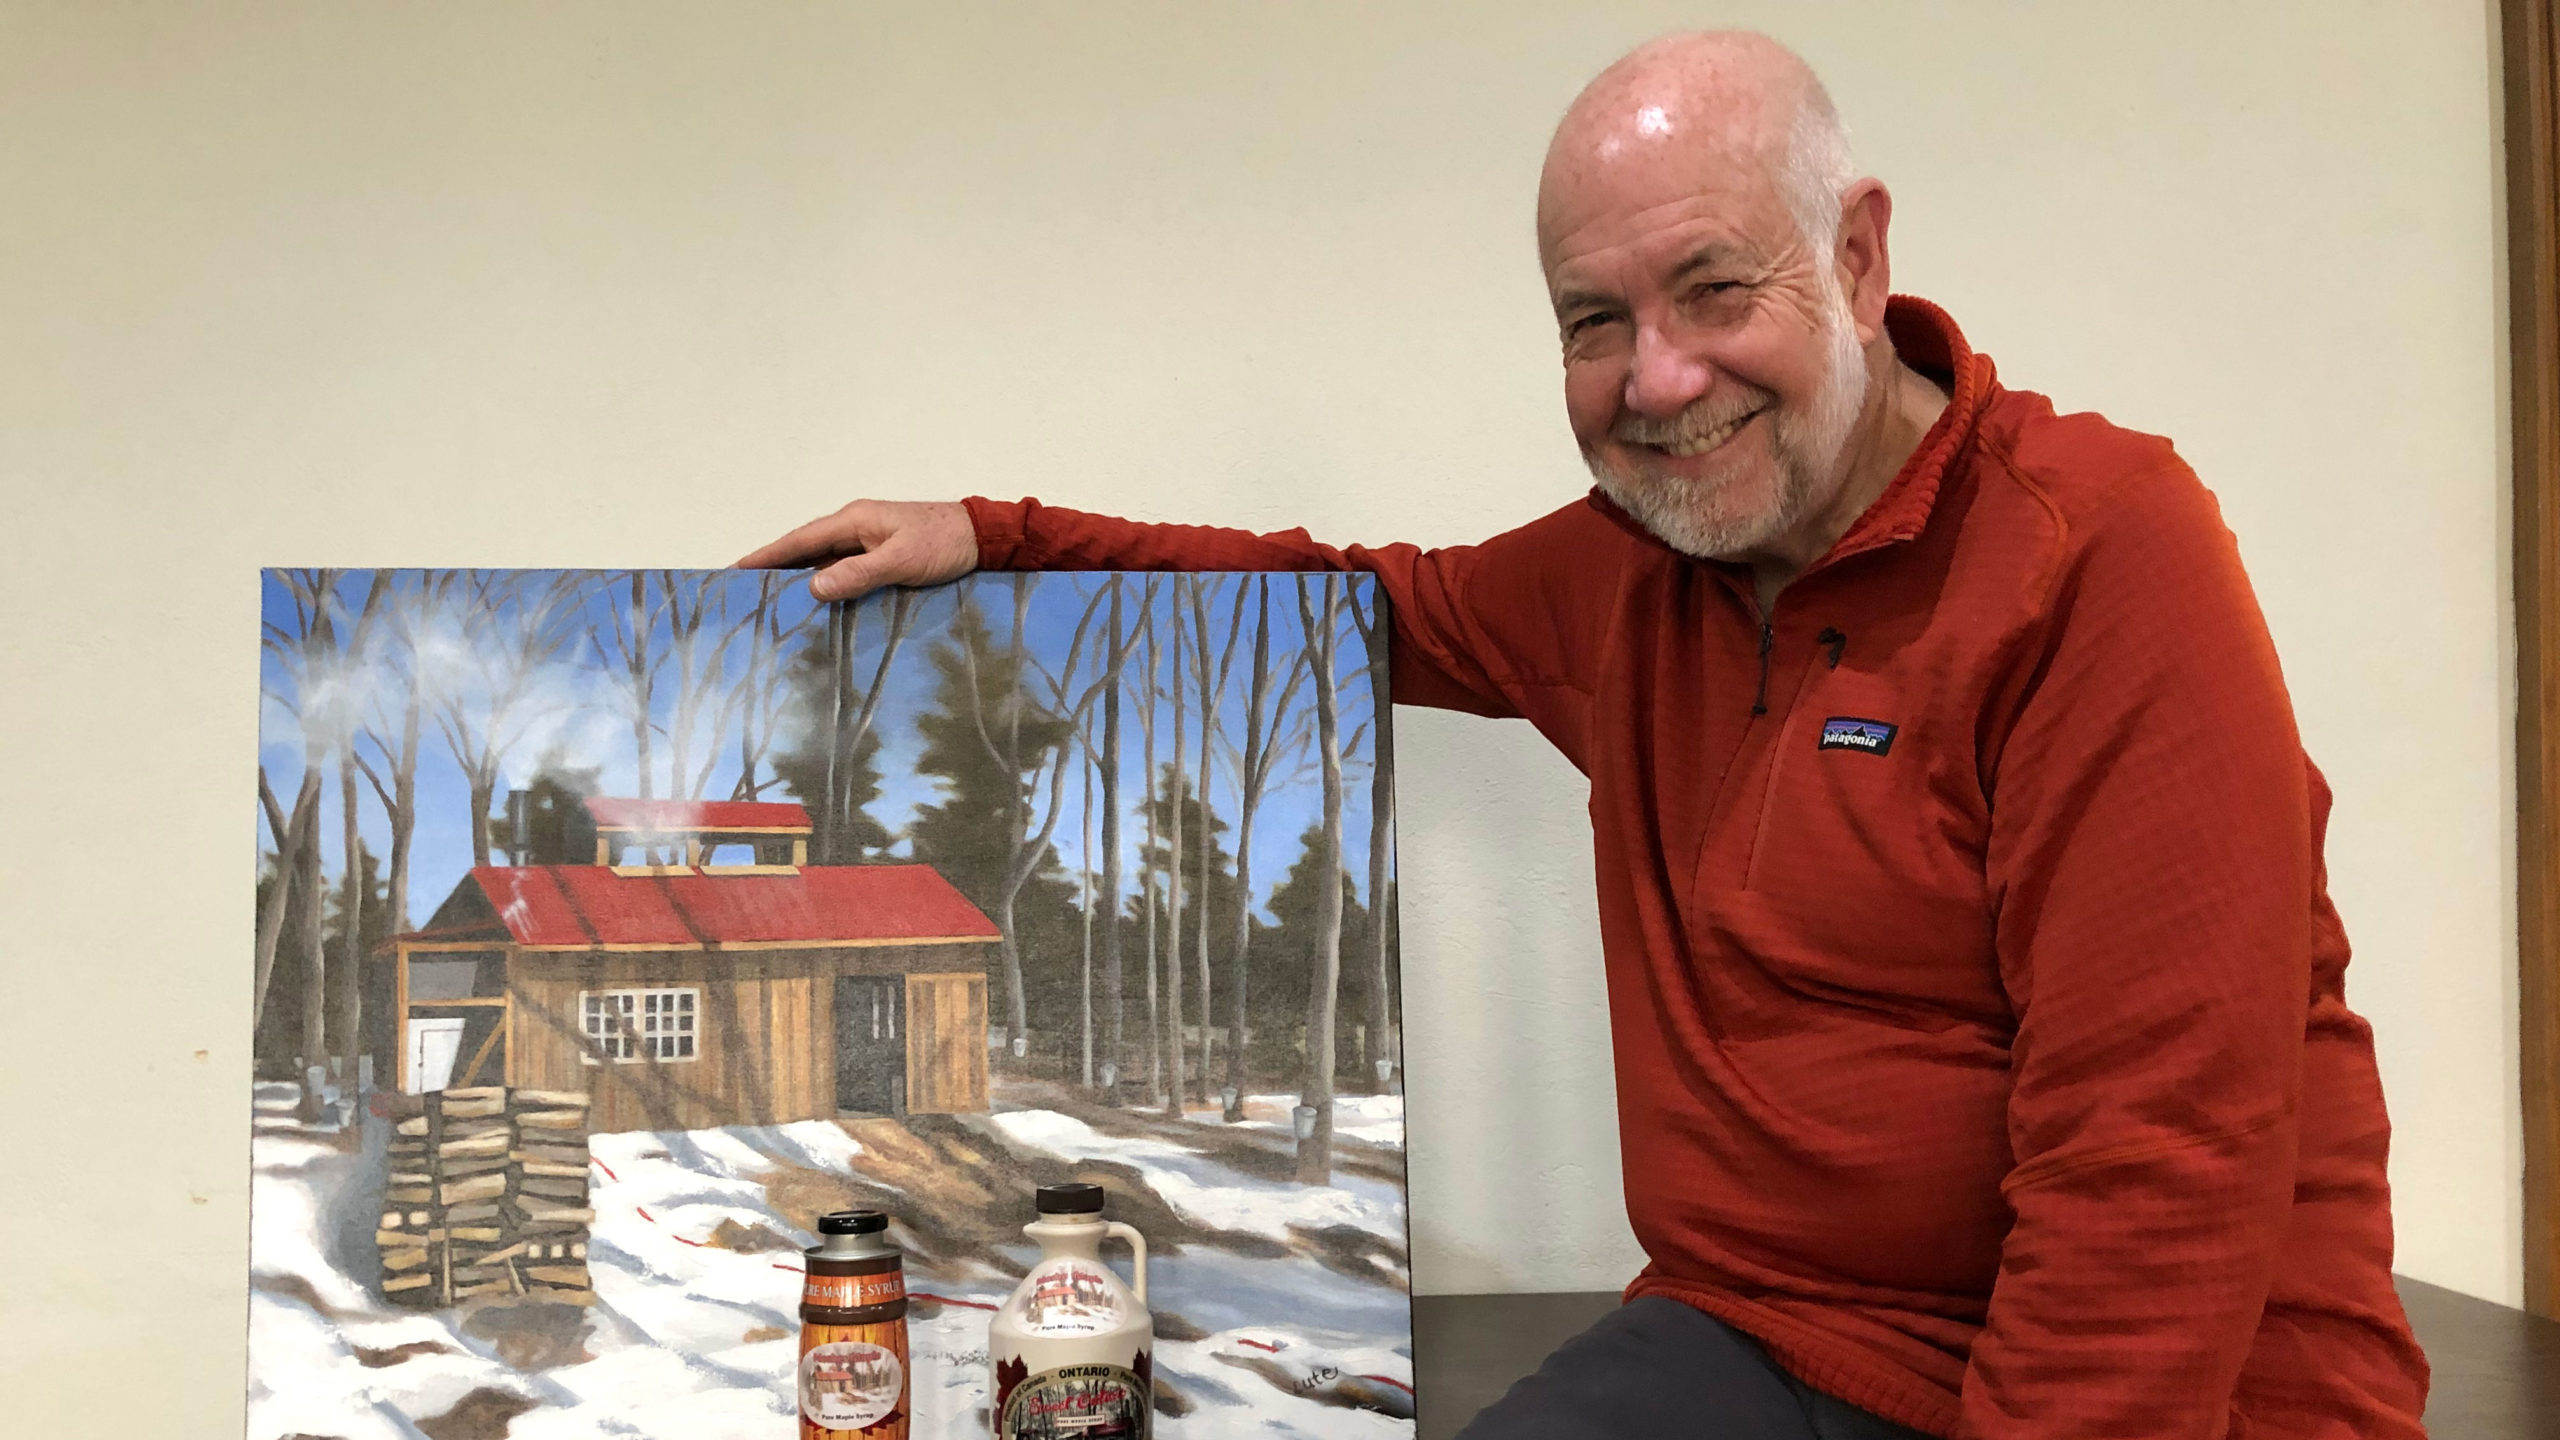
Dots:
(289, 836)
(849, 724)
(830, 820)
(357, 654)
(1385, 1052)
(409, 612)
(1249, 797)
(636, 657)
(1315, 1149)
(484, 790)
(482, 727)
(763, 694)
(1147, 877)
(1212, 684)
(308, 896)
(404, 810)
(1017, 1013)
(1114, 998)
(321, 641)
(1084, 902)
(351, 941)
(1026, 848)
(1173, 861)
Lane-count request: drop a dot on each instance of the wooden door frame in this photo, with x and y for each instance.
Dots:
(2529, 29)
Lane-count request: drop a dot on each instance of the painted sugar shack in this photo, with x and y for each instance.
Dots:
(683, 992)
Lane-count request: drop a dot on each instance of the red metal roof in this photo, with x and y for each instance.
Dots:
(589, 905)
(670, 816)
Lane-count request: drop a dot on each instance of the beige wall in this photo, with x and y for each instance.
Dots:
(628, 283)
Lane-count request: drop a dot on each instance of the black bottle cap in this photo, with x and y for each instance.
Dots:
(852, 1222)
(1073, 1198)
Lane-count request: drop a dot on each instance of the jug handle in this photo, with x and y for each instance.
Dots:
(1137, 1251)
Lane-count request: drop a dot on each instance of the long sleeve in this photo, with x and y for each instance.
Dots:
(1511, 628)
(2152, 861)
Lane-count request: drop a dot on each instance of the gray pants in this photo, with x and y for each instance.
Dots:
(1658, 1368)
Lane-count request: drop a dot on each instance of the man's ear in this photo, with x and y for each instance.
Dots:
(1865, 267)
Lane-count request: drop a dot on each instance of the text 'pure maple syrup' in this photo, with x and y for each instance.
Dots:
(853, 1332)
(1070, 1347)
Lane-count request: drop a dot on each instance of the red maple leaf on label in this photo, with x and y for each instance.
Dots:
(1009, 1373)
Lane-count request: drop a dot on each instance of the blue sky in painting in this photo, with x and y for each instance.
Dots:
(577, 709)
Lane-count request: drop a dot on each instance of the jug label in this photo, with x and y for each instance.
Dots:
(1072, 1300)
(849, 1384)
(1077, 1402)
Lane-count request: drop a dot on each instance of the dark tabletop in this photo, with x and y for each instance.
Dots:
(2497, 1371)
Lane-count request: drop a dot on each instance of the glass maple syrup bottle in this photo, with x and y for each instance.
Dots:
(1070, 1347)
(853, 1332)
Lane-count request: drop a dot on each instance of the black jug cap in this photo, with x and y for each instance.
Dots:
(852, 1222)
(1073, 1198)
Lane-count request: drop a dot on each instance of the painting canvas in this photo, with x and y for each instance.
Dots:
(613, 926)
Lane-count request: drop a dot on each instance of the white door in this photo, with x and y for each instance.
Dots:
(433, 1047)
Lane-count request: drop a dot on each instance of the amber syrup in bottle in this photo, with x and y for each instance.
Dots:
(853, 1378)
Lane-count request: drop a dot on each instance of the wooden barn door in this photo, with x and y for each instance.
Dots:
(871, 1051)
(946, 1044)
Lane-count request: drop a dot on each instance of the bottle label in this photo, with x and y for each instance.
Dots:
(1077, 1402)
(852, 1292)
(1072, 1299)
(849, 1384)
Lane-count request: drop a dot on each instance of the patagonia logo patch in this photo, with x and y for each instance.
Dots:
(1848, 732)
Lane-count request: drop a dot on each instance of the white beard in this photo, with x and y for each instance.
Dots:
(1807, 441)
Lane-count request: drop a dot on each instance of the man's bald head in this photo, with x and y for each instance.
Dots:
(1728, 105)
(1720, 280)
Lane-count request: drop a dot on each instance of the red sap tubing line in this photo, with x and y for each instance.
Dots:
(946, 1300)
(1381, 1379)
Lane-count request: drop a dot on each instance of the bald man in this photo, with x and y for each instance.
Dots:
(1983, 1063)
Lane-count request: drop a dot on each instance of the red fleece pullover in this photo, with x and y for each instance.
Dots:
(1977, 998)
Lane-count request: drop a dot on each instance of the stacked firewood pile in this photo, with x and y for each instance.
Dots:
(487, 1196)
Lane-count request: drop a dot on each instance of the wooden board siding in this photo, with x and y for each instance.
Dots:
(764, 1032)
(947, 1044)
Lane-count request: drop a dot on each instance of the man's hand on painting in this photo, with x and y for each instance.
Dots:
(871, 543)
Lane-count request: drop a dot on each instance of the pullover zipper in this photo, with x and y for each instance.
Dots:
(1760, 700)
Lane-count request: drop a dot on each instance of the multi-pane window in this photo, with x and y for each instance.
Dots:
(639, 1024)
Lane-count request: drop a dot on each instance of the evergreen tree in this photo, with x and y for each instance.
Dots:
(375, 925)
(1174, 791)
(276, 1037)
(970, 835)
(1284, 956)
(987, 741)
(842, 833)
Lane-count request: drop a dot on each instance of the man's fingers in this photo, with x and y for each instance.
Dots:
(875, 543)
(856, 575)
(846, 530)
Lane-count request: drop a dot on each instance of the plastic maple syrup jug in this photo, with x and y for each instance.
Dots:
(1071, 1345)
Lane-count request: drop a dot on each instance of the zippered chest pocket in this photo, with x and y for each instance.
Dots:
(1870, 832)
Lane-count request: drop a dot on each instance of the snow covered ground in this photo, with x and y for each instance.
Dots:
(695, 1329)
(1208, 1193)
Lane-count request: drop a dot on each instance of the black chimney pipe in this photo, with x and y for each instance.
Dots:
(519, 845)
